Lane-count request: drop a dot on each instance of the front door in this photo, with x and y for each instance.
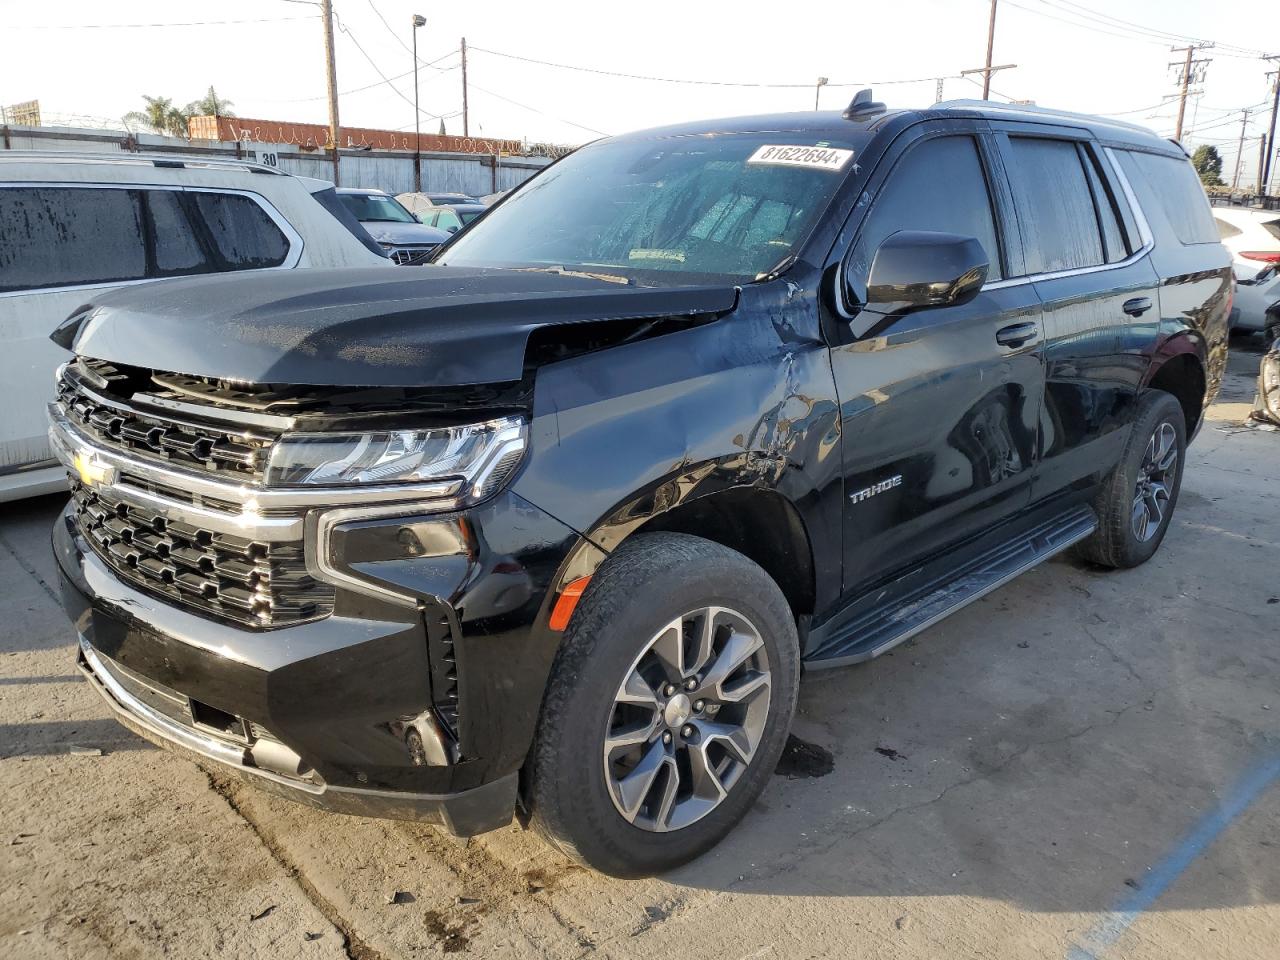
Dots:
(939, 410)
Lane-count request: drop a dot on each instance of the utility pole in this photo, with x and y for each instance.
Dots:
(466, 129)
(986, 76)
(1271, 132)
(326, 13)
(418, 21)
(937, 94)
(1262, 163)
(822, 82)
(1235, 181)
(1190, 69)
(987, 70)
(991, 42)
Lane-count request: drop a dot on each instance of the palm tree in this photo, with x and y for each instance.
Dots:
(175, 123)
(210, 105)
(155, 116)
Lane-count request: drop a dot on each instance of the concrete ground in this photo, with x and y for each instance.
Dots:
(1082, 765)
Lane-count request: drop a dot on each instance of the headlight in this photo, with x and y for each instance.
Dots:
(478, 457)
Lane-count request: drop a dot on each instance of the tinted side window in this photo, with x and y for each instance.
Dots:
(242, 233)
(938, 185)
(1054, 195)
(60, 236)
(175, 247)
(1105, 206)
(1174, 185)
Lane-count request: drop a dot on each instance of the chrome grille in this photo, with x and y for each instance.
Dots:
(161, 436)
(254, 583)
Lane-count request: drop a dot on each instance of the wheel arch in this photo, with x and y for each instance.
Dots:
(762, 525)
(1182, 375)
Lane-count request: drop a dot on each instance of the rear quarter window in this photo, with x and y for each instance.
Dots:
(245, 237)
(1172, 185)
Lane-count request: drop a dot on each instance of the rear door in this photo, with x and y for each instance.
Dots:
(938, 416)
(1086, 258)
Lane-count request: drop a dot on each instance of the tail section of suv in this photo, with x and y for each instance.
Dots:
(555, 528)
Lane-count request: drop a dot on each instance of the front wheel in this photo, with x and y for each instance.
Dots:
(1137, 499)
(668, 706)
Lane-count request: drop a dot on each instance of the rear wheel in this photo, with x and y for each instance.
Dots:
(668, 706)
(1137, 499)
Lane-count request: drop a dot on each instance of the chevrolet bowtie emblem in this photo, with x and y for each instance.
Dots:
(92, 472)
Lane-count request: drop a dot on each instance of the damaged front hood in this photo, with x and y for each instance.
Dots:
(421, 326)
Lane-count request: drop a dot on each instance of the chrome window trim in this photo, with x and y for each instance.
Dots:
(1144, 234)
(292, 237)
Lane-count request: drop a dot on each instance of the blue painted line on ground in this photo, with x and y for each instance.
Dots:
(1162, 876)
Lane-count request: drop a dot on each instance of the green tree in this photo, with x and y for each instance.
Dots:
(1208, 164)
(175, 122)
(155, 116)
(210, 105)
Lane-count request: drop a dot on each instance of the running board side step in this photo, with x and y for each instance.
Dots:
(869, 633)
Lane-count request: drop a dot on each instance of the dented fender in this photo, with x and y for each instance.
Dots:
(746, 402)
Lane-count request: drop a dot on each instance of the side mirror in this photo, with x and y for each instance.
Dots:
(917, 269)
(451, 228)
(418, 217)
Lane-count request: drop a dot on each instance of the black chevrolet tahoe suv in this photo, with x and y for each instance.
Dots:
(550, 529)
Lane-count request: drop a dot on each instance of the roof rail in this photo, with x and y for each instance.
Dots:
(990, 106)
(170, 160)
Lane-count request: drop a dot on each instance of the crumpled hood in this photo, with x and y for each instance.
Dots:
(419, 326)
(404, 233)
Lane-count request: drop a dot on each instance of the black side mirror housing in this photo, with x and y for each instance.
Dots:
(918, 269)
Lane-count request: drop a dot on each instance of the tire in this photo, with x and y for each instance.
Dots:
(594, 705)
(1122, 539)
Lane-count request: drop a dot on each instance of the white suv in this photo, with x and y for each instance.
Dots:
(76, 222)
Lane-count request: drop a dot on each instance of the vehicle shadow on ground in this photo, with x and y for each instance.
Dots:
(1056, 745)
(41, 738)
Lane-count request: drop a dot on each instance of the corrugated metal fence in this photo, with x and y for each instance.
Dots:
(476, 174)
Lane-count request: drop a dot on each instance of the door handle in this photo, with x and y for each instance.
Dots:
(1137, 306)
(1016, 334)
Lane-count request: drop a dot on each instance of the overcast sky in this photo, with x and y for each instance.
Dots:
(1070, 53)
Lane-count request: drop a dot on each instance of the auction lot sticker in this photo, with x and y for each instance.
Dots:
(820, 158)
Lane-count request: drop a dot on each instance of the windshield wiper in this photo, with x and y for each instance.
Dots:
(561, 271)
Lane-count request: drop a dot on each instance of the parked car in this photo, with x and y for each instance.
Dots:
(448, 217)
(557, 525)
(1253, 237)
(73, 225)
(446, 199)
(1266, 406)
(406, 240)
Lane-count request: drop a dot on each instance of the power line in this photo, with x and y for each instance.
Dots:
(525, 106)
(700, 83)
(1181, 38)
(370, 86)
(378, 70)
(145, 26)
(1119, 30)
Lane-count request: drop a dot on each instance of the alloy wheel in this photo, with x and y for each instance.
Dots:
(1154, 488)
(687, 719)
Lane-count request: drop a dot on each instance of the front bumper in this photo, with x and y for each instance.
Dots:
(465, 813)
(321, 711)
